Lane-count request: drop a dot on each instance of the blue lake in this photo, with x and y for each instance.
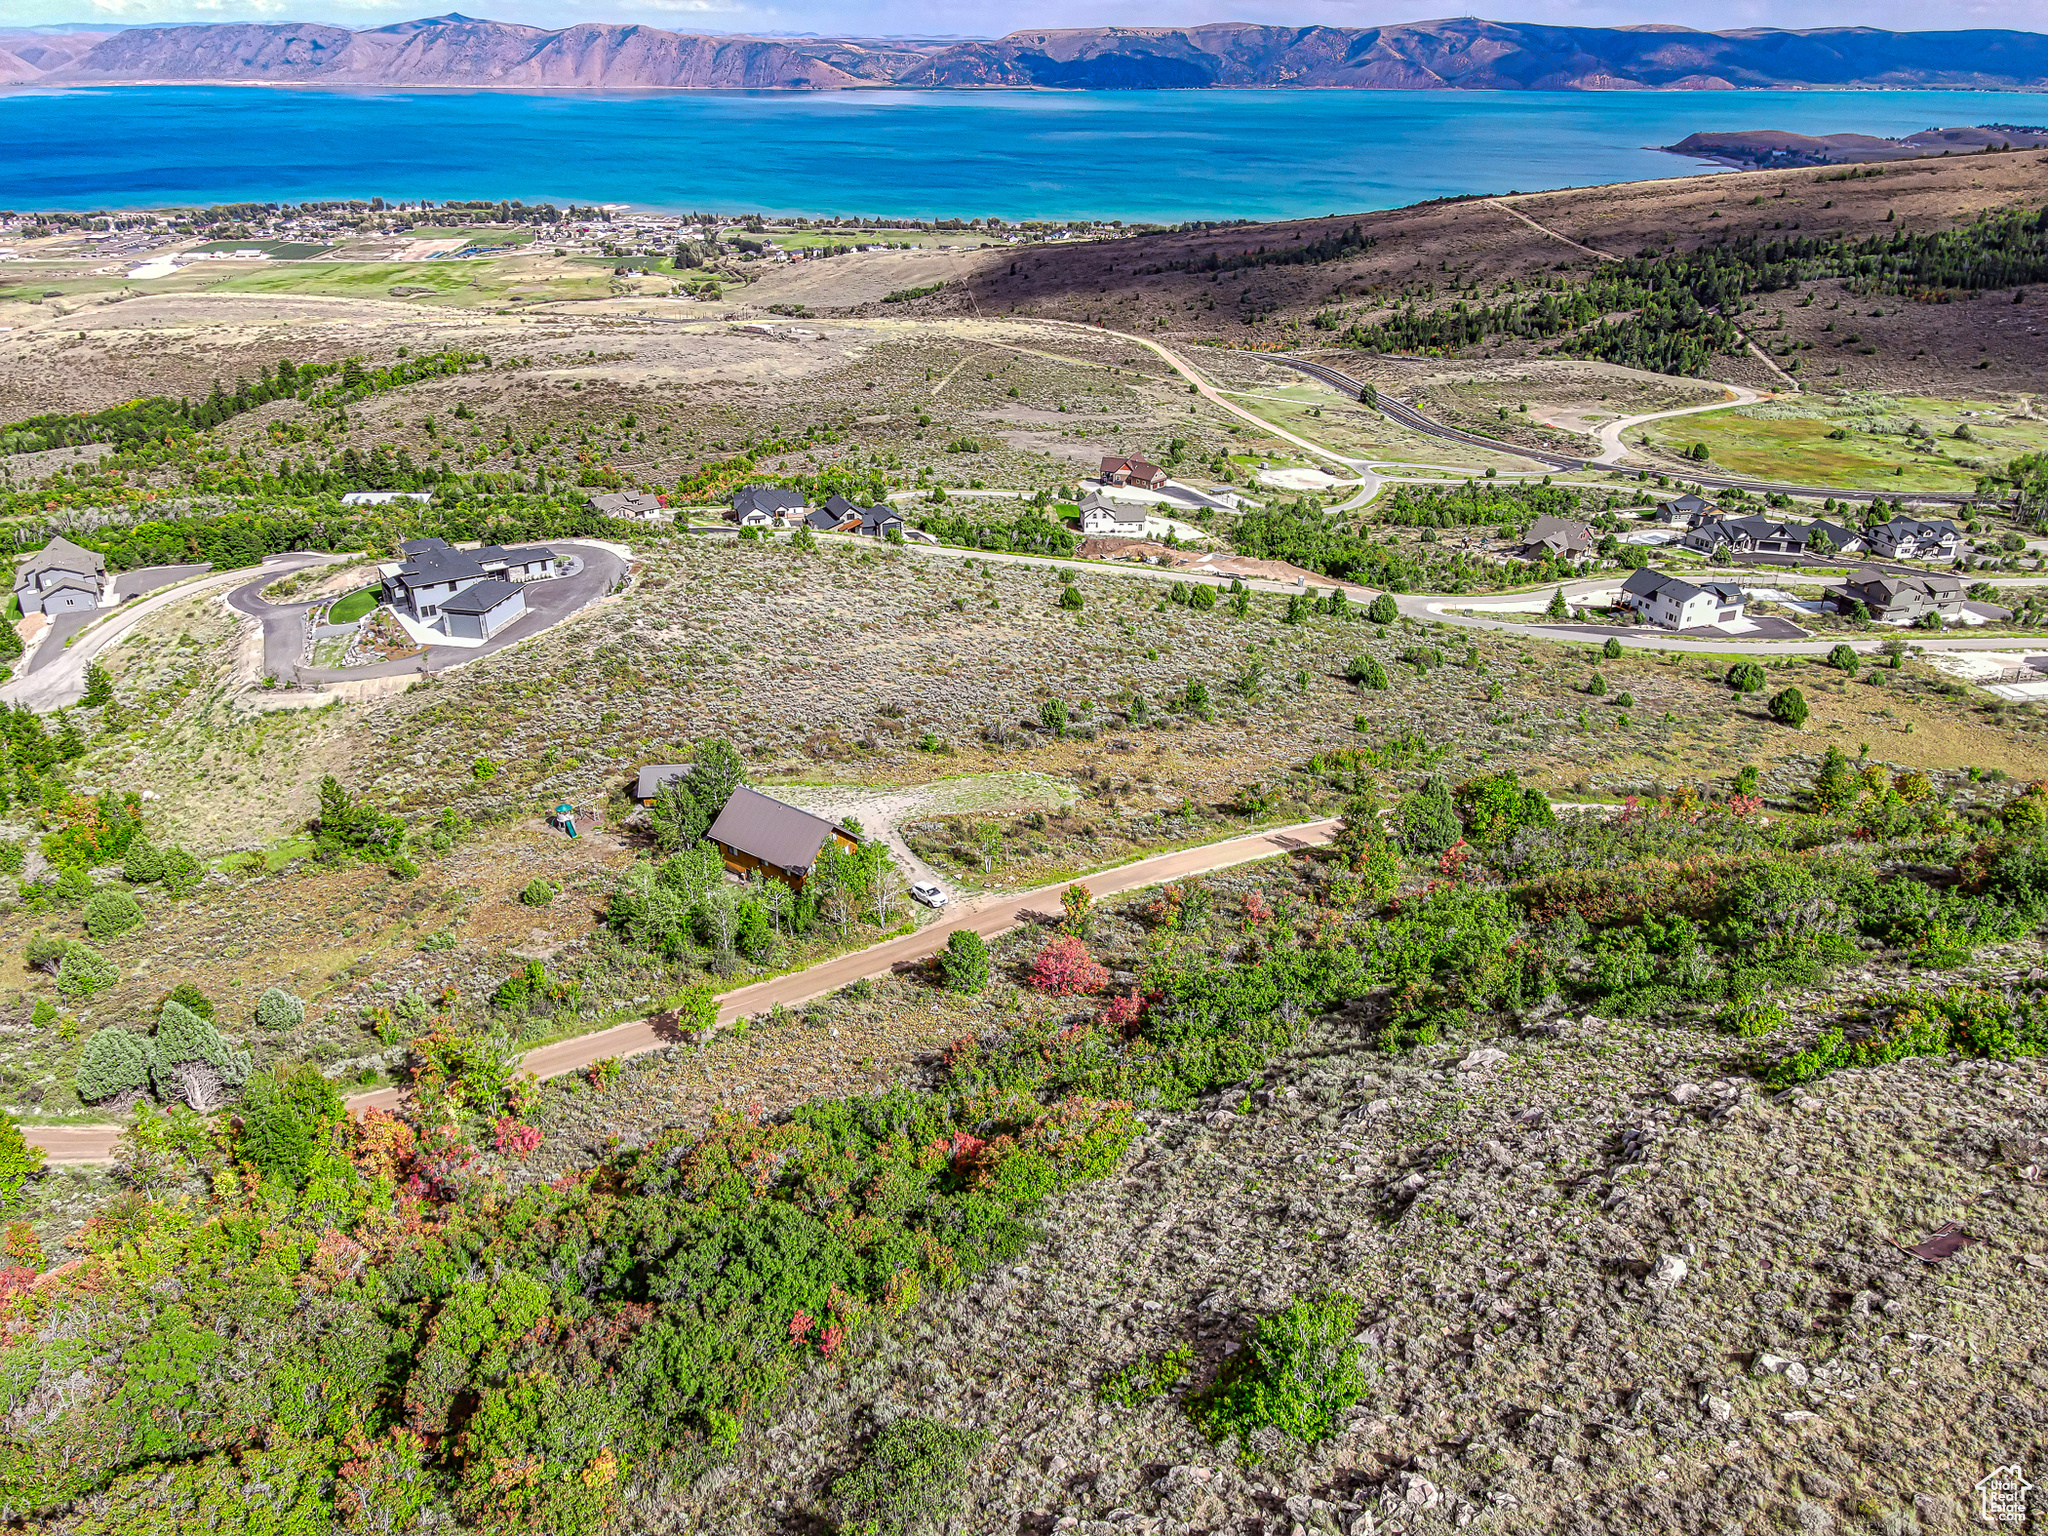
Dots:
(1165, 155)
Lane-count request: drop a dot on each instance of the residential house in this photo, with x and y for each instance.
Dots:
(1672, 602)
(755, 832)
(1892, 598)
(433, 572)
(767, 506)
(1683, 511)
(1133, 472)
(1915, 538)
(878, 522)
(1768, 536)
(1119, 519)
(61, 578)
(481, 609)
(1840, 540)
(634, 504)
(653, 775)
(1560, 538)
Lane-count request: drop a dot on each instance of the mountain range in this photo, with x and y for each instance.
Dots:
(1464, 53)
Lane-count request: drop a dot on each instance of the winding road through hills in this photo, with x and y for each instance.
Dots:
(988, 917)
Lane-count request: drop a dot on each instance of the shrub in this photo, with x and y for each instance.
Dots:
(45, 951)
(84, 971)
(1200, 598)
(191, 997)
(1071, 599)
(1837, 785)
(1140, 1382)
(1746, 677)
(1844, 659)
(1367, 673)
(1077, 903)
(909, 1480)
(1612, 649)
(111, 913)
(181, 872)
(279, 1009)
(1596, 685)
(963, 963)
(1788, 708)
(1297, 1373)
(1065, 968)
(1382, 609)
(19, 1162)
(539, 892)
(143, 864)
(114, 1061)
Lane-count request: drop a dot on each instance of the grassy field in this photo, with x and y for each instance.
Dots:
(283, 250)
(466, 283)
(490, 234)
(1794, 440)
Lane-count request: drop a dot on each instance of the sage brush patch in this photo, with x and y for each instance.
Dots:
(909, 1480)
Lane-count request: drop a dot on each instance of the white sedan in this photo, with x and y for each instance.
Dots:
(929, 893)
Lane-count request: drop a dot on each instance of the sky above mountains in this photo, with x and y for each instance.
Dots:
(987, 18)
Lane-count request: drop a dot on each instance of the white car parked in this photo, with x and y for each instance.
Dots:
(928, 893)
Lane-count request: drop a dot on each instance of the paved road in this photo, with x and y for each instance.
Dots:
(547, 604)
(95, 1143)
(1408, 416)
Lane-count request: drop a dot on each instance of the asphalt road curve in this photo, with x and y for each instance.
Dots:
(95, 1143)
(1413, 419)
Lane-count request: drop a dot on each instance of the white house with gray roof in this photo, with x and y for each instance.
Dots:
(434, 574)
(61, 578)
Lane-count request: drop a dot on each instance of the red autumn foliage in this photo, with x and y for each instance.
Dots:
(1066, 969)
(514, 1139)
(1125, 1012)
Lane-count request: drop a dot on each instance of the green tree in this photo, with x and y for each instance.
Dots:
(963, 963)
(1071, 600)
(142, 864)
(114, 1061)
(1429, 817)
(1383, 609)
(279, 1009)
(84, 971)
(1559, 608)
(1077, 902)
(1496, 805)
(1612, 649)
(804, 540)
(19, 1162)
(1836, 786)
(99, 687)
(110, 913)
(287, 1122)
(1843, 659)
(1746, 677)
(1788, 708)
(1052, 714)
(1596, 685)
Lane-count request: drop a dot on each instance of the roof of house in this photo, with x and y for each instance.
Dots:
(421, 546)
(654, 775)
(1890, 584)
(839, 504)
(1689, 502)
(625, 501)
(1923, 527)
(766, 498)
(873, 519)
(71, 584)
(1572, 535)
(480, 598)
(1838, 536)
(1137, 467)
(60, 554)
(517, 554)
(771, 831)
(1646, 582)
(429, 566)
(824, 520)
(1122, 511)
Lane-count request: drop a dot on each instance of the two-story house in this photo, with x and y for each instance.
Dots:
(1916, 538)
(61, 578)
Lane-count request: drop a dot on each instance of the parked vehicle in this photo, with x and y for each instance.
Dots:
(929, 893)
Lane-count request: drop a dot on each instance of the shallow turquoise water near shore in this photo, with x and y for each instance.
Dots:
(1152, 155)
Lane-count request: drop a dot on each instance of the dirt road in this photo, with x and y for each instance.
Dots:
(95, 1143)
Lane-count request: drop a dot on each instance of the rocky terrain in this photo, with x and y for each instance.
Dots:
(1465, 54)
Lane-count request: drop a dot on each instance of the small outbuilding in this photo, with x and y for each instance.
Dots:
(653, 775)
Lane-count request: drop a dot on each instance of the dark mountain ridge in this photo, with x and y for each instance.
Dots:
(1463, 53)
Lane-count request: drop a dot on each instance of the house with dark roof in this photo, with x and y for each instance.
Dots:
(878, 521)
(61, 578)
(434, 572)
(1916, 538)
(481, 609)
(766, 506)
(1133, 472)
(754, 832)
(1894, 598)
(1559, 538)
(1672, 602)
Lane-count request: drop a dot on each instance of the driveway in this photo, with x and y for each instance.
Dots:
(95, 1143)
(127, 585)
